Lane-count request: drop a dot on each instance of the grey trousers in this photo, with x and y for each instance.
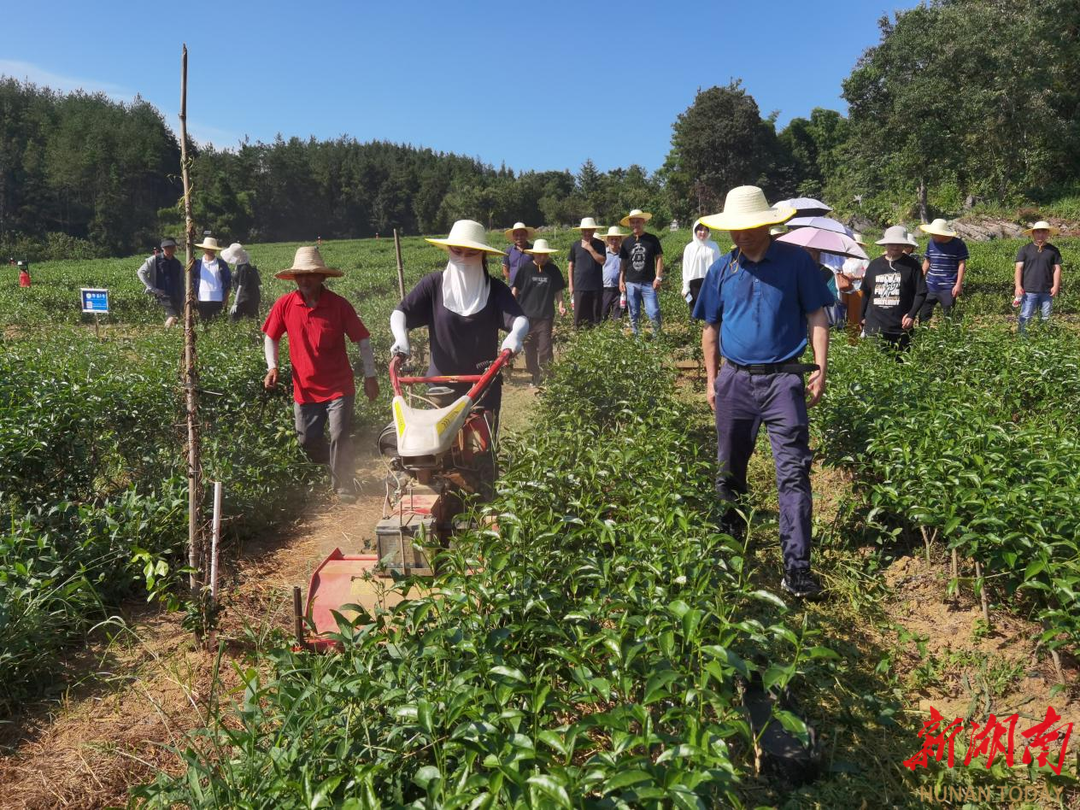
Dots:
(311, 419)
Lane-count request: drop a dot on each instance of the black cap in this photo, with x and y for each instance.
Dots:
(168, 241)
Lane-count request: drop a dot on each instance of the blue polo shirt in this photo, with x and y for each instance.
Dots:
(762, 306)
(516, 259)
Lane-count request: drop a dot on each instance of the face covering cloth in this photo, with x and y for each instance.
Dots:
(465, 285)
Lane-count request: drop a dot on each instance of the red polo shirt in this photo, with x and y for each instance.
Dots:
(321, 370)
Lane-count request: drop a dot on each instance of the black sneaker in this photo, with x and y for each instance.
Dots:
(801, 583)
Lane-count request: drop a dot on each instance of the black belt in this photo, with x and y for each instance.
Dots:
(774, 368)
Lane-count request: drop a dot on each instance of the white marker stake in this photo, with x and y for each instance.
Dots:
(214, 542)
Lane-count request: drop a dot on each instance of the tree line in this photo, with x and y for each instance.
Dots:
(960, 100)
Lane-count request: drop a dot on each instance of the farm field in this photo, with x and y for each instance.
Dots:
(605, 648)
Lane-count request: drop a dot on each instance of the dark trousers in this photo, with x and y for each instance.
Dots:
(246, 309)
(744, 402)
(943, 297)
(609, 304)
(208, 310)
(538, 352)
(311, 419)
(695, 291)
(587, 307)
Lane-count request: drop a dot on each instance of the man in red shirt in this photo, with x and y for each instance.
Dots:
(317, 322)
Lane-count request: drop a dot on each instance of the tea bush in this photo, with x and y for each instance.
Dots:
(588, 651)
(975, 438)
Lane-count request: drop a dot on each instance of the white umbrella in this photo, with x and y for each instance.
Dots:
(821, 223)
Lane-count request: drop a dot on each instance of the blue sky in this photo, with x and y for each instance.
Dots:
(543, 86)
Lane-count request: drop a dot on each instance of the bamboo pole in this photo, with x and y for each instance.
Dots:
(982, 593)
(215, 538)
(400, 266)
(195, 545)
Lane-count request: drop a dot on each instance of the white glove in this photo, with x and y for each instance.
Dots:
(232, 309)
(398, 348)
(515, 341)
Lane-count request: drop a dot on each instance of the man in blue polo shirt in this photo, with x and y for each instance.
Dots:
(516, 257)
(756, 302)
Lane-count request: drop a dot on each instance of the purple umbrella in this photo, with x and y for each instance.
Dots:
(805, 206)
(821, 223)
(827, 241)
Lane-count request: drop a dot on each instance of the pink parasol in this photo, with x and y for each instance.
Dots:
(826, 241)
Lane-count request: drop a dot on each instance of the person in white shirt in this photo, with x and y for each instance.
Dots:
(697, 258)
(213, 279)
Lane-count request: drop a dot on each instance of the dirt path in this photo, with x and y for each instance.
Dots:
(139, 686)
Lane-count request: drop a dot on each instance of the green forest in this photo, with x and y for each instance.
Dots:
(960, 104)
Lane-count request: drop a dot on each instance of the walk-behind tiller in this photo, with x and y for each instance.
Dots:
(436, 457)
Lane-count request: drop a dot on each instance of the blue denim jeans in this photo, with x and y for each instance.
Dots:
(1042, 301)
(635, 294)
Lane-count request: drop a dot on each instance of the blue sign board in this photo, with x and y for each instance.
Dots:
(94, 300)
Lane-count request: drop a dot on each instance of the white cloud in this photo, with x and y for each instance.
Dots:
(29, 72)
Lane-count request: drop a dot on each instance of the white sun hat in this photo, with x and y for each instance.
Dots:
(235, 254)
(858, 238)
(209, 243)
(1043, 225)
(519, 226)
(541, 246)
(894, 235)
(911, 240)
(939, 227)
(308, 262)
(637, 213)
(614, 231)
(745, 207)
(588, 223)
(466, 233)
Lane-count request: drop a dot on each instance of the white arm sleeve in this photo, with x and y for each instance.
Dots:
(400, 333)
(685, 272)
(144, 276)
(515, 341)
(367, 357)
(270, 349)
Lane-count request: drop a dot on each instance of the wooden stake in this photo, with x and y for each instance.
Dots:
(982, 593)
(400, 266)
(196, 553)
(955, 565)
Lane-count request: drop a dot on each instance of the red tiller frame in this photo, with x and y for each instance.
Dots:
(480, 381)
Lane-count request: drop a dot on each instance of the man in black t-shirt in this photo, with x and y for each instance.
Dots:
(585, 269)
(642, 270)
(894, 290)
(537, 286)
(1038, 274)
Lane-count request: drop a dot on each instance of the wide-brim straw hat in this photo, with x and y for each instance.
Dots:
(587, 224)
(894, 235)
(939, 227)
(637, 213)
(308, 261)
(541, 246)
(745, 207)
(235, 254)
(1043, 225)
(519, 226)
(209, 243)
(614, 231)
(466, 233)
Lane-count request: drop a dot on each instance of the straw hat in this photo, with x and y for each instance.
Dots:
(745, 207)
(209, 243)
(894, 235)
(308, 262)
(466, 234)
(235, 254)
(637, 213)
(938, 227)
(518, 226)
(1042, 225)
(541, 246)
(588, 223)
(614, 231)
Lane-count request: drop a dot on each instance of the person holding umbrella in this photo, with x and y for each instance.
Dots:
(759, 302)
